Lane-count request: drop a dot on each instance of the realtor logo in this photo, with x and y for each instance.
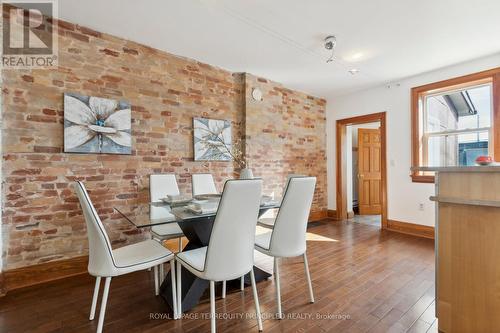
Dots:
(29, 34)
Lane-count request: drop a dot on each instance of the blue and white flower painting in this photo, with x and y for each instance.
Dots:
(212, 139)
(96, 125)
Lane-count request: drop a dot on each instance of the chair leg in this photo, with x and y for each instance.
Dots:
(278, 291)
(162, 273)
(212, 306)
(103, 304)
(256, 300)
(155, 272)
(95, 297)
(179, 291)
(180, 244)
(308, 277)
(149, 269)
(274, 268)
(174, 291)
(224, 289)
(242, 282)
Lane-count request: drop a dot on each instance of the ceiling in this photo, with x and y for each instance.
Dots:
(283, 39)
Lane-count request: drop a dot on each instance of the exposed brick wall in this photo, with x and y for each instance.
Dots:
(285, 134)
(41, 218)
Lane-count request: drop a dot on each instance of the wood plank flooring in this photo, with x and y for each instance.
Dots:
(364, 279)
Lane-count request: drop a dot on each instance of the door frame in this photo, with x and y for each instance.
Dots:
(341, 166)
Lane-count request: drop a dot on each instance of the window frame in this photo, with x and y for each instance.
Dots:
(423, 110)
(491, 76)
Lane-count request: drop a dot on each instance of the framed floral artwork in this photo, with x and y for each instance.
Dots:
(96, 125)
(212, 139)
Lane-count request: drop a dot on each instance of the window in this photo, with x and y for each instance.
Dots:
(456, 126)
(453, 122)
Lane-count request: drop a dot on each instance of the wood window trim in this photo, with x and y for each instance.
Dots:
(491, 75)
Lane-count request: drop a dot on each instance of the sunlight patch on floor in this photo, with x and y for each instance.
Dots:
(318, 238)
(309, 236)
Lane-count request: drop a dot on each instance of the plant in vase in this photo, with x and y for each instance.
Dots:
(235, 150)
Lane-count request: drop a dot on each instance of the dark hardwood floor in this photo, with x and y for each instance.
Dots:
(365, 280)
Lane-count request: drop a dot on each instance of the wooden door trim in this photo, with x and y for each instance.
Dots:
(341, 168)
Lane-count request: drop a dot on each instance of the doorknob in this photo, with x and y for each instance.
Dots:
(360, 175)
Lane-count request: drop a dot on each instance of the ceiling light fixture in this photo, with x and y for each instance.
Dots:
(330, 44)
(354, 71)
(357, 56)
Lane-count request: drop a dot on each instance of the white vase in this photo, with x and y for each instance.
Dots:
(246, 173)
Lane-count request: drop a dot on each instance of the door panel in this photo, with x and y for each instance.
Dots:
(369, 171)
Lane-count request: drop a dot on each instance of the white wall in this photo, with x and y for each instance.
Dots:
(351, 160)
(403, 195)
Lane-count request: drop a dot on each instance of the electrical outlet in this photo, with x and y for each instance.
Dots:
(421, 207)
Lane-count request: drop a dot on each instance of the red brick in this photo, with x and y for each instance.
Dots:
(41, 119)
(88, 31)
(110, 52)
(46, 149)
(28, 78)
(130, 51)
(49, 112)
(27, 172)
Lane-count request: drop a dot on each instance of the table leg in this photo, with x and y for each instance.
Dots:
(198, 232)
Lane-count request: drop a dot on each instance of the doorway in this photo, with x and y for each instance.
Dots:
(361, 169)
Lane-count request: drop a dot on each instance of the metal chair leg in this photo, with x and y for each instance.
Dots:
(155, 272)
(95, 297)
(212, 306)
(179, 290)
(103, 304)
(278, 291)
(174, 287)
(308, 278)
(256, 300)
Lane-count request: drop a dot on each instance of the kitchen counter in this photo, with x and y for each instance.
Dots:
(477, 168)
(467, 247)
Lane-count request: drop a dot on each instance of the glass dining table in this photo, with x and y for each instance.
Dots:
(197, 227)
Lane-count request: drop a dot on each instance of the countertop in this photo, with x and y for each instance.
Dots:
(487, 168)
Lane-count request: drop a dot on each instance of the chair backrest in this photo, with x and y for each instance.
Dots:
(289, 233)
(203, 183)
(162, 185)
(101, 260)
(231, 248)
(290, 175)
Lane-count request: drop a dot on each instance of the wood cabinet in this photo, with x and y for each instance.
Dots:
(467, 249)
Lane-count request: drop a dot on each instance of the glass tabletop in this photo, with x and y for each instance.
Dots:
(157, 213)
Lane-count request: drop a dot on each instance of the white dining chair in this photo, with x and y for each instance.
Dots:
(268, 222)
(288, 236)
(203, 183)
(106, 262)
(160, 186)
(230, 251)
